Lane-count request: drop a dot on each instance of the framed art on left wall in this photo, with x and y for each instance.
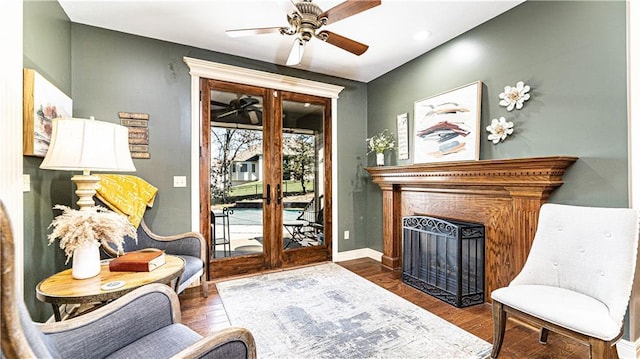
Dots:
(42, 102)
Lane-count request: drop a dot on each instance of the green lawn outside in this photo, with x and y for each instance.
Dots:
(255, 188)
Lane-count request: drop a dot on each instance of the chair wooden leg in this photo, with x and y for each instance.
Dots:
(499, 324)
(599, 349)
(544, 333)
(205, 285)
(613, 349)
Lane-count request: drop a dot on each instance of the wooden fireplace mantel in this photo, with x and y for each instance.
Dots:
(505, 195)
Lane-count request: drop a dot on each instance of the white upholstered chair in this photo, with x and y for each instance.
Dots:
(577, 278)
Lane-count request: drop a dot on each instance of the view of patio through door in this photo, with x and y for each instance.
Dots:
(236, 181)
(266, 174)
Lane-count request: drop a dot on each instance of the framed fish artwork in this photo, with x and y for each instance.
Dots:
(447, 126)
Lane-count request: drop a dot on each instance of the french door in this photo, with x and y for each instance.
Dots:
(265, 170)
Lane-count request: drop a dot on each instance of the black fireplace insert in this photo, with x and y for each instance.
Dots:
(444, 258)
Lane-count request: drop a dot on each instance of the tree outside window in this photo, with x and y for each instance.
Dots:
(226, 144)
(301, 160)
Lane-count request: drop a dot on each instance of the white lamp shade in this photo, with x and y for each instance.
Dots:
(88, 145)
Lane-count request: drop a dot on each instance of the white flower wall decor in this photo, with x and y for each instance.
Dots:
(514, 96)
(499, 130)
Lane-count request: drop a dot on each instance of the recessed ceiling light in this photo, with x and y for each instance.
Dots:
(422, 35)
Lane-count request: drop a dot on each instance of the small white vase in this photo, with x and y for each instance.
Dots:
(86, 261)
(380, 159)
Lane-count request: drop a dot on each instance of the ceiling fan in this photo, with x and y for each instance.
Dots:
(305, 21)
(245, 107)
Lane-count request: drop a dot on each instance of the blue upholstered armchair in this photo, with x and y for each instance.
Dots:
(142, 324)
(190, 246)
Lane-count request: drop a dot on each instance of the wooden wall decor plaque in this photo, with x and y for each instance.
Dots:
(138, 124)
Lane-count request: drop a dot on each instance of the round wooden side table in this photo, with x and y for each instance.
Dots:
(62, 288)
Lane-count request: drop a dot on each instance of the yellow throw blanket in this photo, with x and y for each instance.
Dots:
(128, 195)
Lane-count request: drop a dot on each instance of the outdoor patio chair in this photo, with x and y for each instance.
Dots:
(309, 224)
(220, 219)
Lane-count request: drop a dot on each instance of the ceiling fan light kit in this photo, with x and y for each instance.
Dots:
(247, 108)
(307, 19)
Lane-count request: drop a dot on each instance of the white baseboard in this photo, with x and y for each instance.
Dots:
(358, 253)
(628, 349)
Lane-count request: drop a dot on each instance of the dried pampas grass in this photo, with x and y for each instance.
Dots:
(76, 228)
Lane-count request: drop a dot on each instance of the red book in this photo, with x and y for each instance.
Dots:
(144, 260)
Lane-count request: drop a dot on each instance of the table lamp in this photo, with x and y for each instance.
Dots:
(87, 145)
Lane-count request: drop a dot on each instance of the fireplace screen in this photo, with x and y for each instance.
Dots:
(444, 258)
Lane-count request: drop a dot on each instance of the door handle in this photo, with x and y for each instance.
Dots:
(278, 193)
(268, 197)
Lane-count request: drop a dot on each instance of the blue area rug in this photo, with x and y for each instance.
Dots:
(326, 311)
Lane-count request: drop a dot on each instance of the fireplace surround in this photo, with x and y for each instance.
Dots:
(504, 195)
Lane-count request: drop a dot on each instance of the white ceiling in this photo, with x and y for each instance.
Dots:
(388, 29)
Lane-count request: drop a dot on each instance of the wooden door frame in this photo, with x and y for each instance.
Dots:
(248, 263)
(273, 255)
(206, 69)
(320, 253)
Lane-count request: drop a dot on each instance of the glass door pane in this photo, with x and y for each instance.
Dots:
(266, 157)
(236, 174)
(303, 175)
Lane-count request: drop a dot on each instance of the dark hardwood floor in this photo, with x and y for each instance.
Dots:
(207, 315)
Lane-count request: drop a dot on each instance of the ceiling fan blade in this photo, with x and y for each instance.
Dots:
(295, 56)
(256, 31)
(227, 113)
(248, 101)
(342, 42)
(218, 103)
(348, 8)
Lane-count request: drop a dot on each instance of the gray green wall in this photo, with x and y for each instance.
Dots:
(571, 53)
(47, 49)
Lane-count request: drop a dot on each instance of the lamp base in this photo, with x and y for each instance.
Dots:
(86, 185)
